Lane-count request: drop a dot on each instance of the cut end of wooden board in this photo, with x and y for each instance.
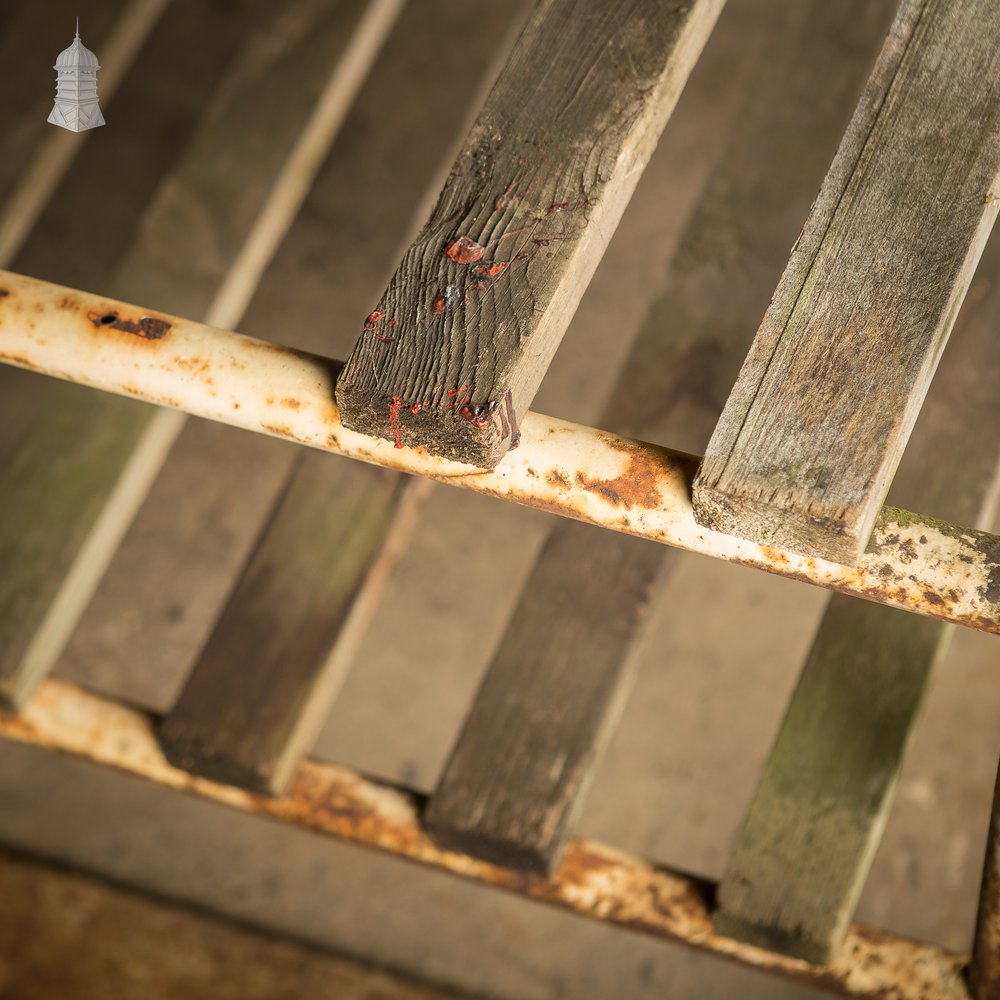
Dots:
(456, 426)
(772, 938)
(193, 756)
(839, 540)
(493, 850)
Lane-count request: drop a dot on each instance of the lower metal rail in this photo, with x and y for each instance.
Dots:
(593, 880)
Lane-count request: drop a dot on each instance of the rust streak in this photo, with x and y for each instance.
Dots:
(637, 486)
(145, 327)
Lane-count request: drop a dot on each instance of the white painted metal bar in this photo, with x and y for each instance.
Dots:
(913, 562)
(593, 880)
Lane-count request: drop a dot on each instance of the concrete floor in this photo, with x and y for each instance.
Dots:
(680, 770)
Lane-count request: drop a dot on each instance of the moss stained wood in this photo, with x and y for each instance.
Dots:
(800, 862)
(819, 417)
(483, 296)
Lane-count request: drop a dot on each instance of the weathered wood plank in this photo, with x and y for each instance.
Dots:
(551, 695)
(453, 353)
(261, 687)
(984, 973)
(326, 554)
(819, 417)
(802, 857)
(70, 488)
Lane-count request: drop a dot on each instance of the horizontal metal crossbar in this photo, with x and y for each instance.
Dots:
(912, 561)
(594, 880)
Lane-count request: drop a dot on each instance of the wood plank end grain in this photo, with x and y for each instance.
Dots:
(451, 356)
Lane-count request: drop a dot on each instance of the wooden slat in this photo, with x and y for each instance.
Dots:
(801, 860)
(816, 423)
(70, 488)
(325, 556)
(551, 695)
(984, 973)
(261, 688)
(451, 356)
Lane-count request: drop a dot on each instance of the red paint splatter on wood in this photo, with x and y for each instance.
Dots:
(480, 420)
(559, 206)
(439, 305)
(507, 198)
(373, 318)
(492, 270)
(465, 251)
(397, 403)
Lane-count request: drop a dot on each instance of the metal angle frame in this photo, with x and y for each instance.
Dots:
(594, 880)
(912, 562)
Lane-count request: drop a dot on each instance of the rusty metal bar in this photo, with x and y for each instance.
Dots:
(594, 880)
(984, 974)
(912, 562)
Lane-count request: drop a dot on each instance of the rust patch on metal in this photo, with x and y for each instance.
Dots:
(4, 292)
(279, 430)
(145, 327)
(637, 486)
(291, 402)
(557, 479)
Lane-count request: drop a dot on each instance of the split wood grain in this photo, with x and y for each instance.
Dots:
(521, 766)
(71, 486)
(453, 353)
(800, 862)
(811, 435)
(323, 559)
(262, 685)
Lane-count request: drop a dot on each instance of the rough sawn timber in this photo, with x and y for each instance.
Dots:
(819, 417)
(451, 356)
